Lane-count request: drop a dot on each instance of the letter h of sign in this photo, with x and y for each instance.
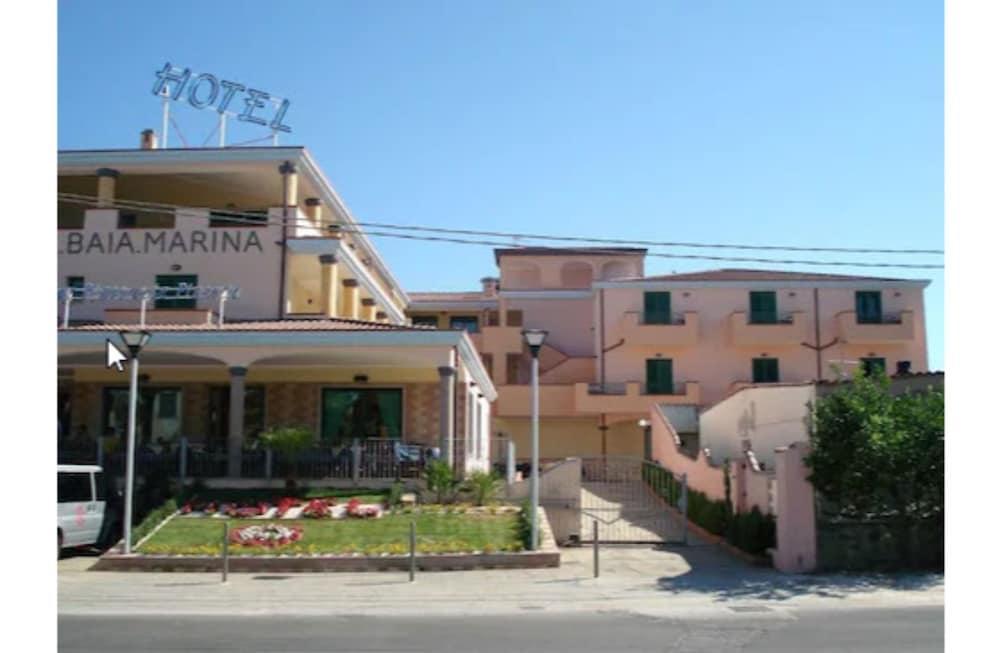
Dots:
(170, 74)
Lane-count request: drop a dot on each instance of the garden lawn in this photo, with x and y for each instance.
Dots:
(437, 532)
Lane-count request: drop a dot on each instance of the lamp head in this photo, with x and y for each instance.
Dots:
(135, 340)
(644, 423)
(534, 338)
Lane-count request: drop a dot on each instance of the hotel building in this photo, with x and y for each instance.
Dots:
(314, 329)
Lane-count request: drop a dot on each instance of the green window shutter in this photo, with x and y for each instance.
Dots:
(765, 370)
(174, 281)
(871, 366)
(659, 376)
(656, 308)
(763, 307)
(868, 306)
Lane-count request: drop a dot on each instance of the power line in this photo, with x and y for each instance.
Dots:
(618, 241)
(244, 218)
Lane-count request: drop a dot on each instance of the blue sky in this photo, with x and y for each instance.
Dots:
(791, 123)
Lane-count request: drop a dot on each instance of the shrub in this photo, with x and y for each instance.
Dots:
(484, 487)
(752, 531)
(287, 440)
(440, 480)
(395, 496)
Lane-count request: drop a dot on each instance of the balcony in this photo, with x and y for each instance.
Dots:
(893, 328)
(501, 340)
(682, 331)
(630, 397)
(553, 401)
(790, 329)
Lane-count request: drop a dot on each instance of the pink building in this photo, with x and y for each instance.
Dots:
(620, 342)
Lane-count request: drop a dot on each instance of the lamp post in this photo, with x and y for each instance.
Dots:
(134, 342)
(534, 338)
(647, 440)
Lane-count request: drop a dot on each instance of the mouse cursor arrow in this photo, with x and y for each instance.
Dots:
(115, 357)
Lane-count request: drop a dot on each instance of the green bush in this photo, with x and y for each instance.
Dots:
(287, 440)
(440, 480)
(395, 496)
(153, 519)
(484, 487)
(752, 531)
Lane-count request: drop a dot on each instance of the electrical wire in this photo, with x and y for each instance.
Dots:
(243, 218)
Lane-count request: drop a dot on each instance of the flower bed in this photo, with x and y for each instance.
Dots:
(267, 535)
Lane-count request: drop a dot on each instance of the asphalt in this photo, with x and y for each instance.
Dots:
(880, 630)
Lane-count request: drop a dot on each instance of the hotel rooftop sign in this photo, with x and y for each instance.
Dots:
(206, 90)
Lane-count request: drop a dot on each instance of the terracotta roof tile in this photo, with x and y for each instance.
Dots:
(460, 296)
(738, 274)
(328, 324)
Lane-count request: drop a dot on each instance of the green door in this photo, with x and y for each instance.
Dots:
(868, 306)
(174, 281)
(660, 376)
(656, 308)
(763, 307)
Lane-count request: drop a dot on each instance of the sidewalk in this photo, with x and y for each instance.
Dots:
(643, 580)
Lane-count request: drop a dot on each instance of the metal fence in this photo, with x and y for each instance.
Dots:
(362, 459)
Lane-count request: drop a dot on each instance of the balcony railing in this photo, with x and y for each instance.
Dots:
(681, 330)
(631, 396)
(891, 328)
(781, 329)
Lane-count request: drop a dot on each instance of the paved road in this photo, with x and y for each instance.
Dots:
(879, 630)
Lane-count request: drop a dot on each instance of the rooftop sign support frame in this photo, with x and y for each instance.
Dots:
(204, 90)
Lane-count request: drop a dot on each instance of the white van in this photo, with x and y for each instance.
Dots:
(81, 504)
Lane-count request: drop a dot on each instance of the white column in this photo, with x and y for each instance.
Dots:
(446, 427)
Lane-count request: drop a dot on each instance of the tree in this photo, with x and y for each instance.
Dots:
(879, 456)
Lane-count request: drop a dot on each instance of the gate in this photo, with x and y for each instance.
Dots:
(631, 500)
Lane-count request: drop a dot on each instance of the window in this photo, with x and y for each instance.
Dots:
(76, 285)
(765, 370)
(488, 363)
(468, 322)
(158, 415)
(515, 318)
(361, 413)
(74, 486)
(177, 298)
(425, 320)
(763, 307)
(145, 220)
(656, 308)
(868, 306)
(237, 218)
(660, 376)
(492, 318)
(872, 366)
(514, 368)
(254, 404)
(100, 486)
(70, 216)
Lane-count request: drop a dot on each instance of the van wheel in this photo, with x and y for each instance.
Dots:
(59, 548)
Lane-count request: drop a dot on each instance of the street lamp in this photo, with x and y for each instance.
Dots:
(134, 342)
(534, 338)
(647, 439)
